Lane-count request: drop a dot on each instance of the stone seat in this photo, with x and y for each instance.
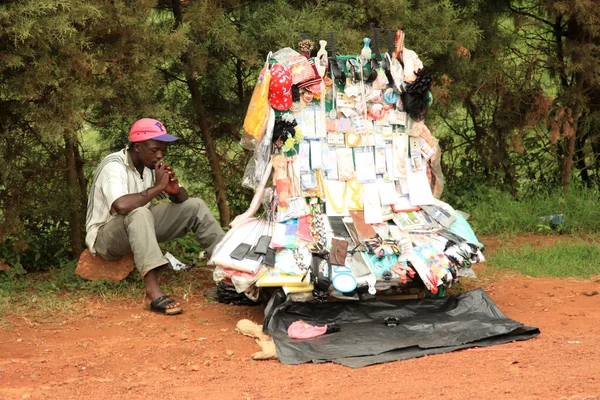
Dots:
(95, 267)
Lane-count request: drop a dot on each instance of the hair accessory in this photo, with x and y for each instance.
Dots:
(284, 128)
(306, 45)
(417, 95)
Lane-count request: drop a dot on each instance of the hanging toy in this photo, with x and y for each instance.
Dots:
(306, 46)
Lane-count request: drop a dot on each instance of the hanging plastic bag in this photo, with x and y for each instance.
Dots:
(249, 232)
(258, 109)
(396, 72)
(412, 64)
(257, 166)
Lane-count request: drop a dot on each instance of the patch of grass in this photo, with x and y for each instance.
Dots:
(43, 297)
(494, 212)
(46, 296)
(562, 260)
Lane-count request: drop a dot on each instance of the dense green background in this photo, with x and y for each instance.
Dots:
(516, 101)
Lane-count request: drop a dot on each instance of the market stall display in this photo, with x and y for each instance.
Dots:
(348, 178)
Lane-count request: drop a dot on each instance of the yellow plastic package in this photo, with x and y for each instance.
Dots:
(258, 110)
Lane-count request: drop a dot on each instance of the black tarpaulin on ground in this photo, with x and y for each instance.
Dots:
(425, 327)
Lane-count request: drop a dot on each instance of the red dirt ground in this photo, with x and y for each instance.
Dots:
(115, 350)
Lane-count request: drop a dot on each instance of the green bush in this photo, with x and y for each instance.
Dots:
(41, 247)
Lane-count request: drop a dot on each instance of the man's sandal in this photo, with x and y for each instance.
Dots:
(161, 304)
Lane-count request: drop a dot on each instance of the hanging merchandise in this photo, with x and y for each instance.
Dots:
(280, 88)
(349, 178)
(258, 110)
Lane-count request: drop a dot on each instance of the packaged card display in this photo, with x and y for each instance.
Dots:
(304, 156)
(315, 155)
(332, 172)
(419, 190)
(307, 122)
(336, 204)
(372, 203)
(345, 163)
(399, 154)
(365, 162)
(380, 163)
(336, 139)
(389, 162)
(354, 195)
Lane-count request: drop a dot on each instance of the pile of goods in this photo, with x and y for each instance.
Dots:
(347, 182)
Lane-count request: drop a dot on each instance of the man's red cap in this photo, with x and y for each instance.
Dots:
(148, 128)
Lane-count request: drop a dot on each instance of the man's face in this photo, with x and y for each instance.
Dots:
(150, 152)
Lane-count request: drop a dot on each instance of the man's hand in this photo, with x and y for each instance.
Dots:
(164, 180)
(173, 186)
(162, 175)
(167, 180)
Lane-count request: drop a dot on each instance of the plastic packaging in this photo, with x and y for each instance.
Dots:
(554, 220)
(293, 262)
(259, 164)
(258, 110)
(241, 280)
(462, 228)
(227, 294)
(247, 231)
(283, 55)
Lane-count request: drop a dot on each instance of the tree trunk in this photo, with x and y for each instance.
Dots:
(580, 163)
(570, 147)
(568, 162)
(79, 163)
(570, 140)
(239, 81)
(211, 151)
(74, 198)
(202, 120)
(595, 143)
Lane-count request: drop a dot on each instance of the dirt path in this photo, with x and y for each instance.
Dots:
(115, 350)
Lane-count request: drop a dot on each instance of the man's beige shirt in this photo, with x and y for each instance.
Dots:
(116, 176)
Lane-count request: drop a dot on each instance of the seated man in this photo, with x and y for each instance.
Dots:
(120, 216)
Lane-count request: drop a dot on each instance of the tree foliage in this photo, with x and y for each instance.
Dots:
(516, 94)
